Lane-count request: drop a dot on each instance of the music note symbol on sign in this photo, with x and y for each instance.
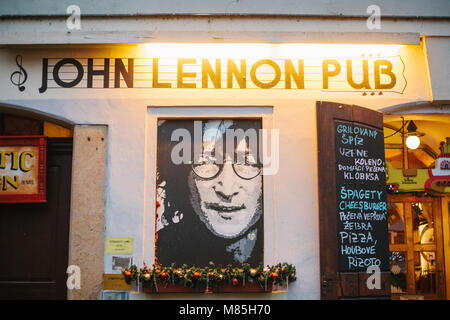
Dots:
(16, 76)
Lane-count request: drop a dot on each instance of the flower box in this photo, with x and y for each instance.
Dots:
(255, 287)
(224, 287)
(163, 287)
(210, 279)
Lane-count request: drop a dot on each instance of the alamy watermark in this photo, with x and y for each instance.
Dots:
(74, 278)
(73, 22)
(374, 19)
(374, 280)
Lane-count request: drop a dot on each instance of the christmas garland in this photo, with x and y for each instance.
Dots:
(212, 276)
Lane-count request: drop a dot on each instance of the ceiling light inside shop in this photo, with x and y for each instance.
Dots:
(413, 142)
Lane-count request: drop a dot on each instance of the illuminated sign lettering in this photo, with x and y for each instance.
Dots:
(363, 74)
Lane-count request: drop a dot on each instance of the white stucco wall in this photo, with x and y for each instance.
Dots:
(294, 237)
(414, 8)
(437, 50)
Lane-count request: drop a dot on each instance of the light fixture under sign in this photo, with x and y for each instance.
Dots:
(410, 139)
(413, 142)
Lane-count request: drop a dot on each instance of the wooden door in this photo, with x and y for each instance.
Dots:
(338, 279)
(34, 238)
(416, 245)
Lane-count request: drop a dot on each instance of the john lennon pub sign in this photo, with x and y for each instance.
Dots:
(367, 75)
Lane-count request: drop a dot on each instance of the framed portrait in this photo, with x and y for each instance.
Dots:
(209, 192)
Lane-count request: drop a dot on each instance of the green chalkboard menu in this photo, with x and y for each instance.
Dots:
(361, 197)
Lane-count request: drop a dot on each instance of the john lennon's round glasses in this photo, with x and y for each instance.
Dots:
(210, 169)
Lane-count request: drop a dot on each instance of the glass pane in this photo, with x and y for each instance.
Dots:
(398, 272)
(423, 222)
(396, 223)
(425, 271)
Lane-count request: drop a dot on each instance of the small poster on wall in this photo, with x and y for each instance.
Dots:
(23, 169)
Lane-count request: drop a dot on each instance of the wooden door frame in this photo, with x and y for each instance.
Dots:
(445, 203)
(409, 238)
(59, 147)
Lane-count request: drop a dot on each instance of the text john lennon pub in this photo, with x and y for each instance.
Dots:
(371, 74)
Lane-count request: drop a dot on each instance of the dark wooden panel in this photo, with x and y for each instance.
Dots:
(19, 126)
(34, 237)
(13, 290)
(339, 279)
(349, 284)
(367, 116)
(326, 113)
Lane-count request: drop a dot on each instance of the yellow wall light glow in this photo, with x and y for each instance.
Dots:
(266, 50)
(413, 142)
(338, 67)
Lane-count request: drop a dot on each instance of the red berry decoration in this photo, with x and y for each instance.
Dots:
(127, 273)
(274, 275)
(235, 281)
(211, 274)
(163, 275)
(196, 275)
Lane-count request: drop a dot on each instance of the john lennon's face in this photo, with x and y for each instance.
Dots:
(227, 204)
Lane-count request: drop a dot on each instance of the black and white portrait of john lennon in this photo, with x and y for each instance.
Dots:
(210, 207)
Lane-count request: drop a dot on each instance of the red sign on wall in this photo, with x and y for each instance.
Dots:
(23, 166)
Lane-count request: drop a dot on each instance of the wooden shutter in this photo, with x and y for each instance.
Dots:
(338, 124)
